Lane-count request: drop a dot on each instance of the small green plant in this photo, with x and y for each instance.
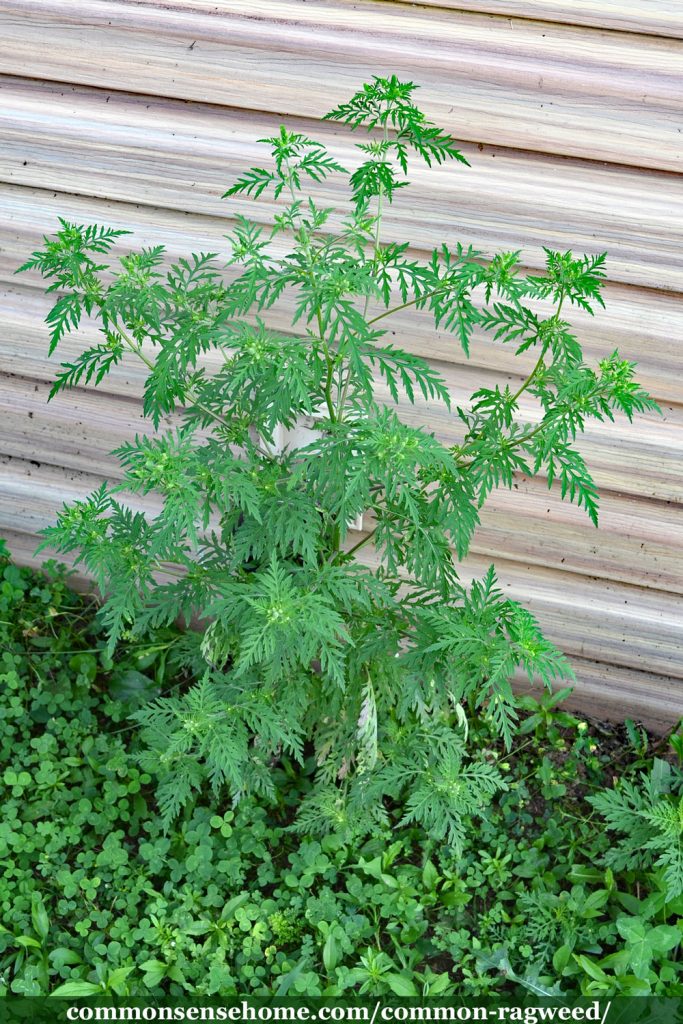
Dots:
(647, 817)
(375, 665)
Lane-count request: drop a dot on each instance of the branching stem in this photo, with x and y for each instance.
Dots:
(375, 253)
(459, 452)
(413, 302)
(306, 246)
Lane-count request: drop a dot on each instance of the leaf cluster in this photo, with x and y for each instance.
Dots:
(284, 414)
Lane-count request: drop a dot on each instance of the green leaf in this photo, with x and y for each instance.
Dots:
(64, 317)
(233, 904)
(132, 687)
(644, 942)
(76, 989)
(154, 972)
(561, 958)
(287, 980)
(401, 985)
(331, 953)
(594, 903)
(62, 955)
(41, 922)
(117, 980)
(591, 968)
(664, 937)
(374, 869)
(253, 183)
(430, 876)
(438, 984)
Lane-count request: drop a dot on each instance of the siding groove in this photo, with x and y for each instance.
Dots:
(584, 92)
(663, 18)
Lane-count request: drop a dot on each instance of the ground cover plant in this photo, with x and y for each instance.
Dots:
(376, 669)
(97, 896)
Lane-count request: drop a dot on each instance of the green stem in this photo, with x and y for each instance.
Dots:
(135, 348)
(306, 246)
(539, 363)
(335, 541)
(407, 305)
(304, 238)
(525, 384)
(375, 251)
(361, 543)
(378, 220)
(343, 389)
(459, 452)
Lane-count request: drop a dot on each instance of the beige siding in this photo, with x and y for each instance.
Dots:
(656, 17)
(139, 113)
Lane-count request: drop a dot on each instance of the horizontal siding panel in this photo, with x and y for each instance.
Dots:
(637, 543)
(656, 17)
(530, 85)
(595, 619)
(112, 145)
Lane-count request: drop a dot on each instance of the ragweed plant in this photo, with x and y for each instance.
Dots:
(371, 665)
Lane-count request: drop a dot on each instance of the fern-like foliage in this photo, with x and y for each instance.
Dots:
(646, 819)
(370, 664)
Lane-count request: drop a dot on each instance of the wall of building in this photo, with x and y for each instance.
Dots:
(138, 114)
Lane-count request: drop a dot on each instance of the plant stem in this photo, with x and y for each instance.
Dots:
(304, 238)
(523, 387)
(539, 363)
(306, 246)
(375, 253)
(361, 543)
(407, 305)
(136, 350)
(525, 384)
